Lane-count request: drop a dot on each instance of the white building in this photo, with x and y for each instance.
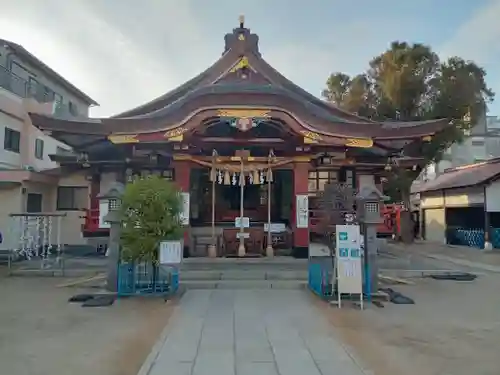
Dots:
(482, 143)
(29, 180)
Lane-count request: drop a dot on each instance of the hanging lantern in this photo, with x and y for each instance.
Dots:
(269, 175)
(261, 177)
(250, 178)
(233, 180)
(219, 177)
(242, 179)
(256, 177)
(227, 178)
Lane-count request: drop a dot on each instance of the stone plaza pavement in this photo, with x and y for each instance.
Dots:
(249, 332)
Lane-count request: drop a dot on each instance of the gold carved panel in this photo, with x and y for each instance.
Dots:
(359, 142)
(244, 113)
(242, 63)
(175, 135)
(310, 137)
(123, 138)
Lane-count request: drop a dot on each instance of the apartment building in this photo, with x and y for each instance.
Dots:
(480, 144)
(29, 180)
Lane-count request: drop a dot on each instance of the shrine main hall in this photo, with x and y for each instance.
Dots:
(249, 149)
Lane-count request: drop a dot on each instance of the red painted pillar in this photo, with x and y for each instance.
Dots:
(182, 175)
(300, 187)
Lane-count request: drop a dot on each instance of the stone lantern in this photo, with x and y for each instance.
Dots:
(114, 198)
(368, 202)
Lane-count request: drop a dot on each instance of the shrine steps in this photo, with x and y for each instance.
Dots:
(235, 273)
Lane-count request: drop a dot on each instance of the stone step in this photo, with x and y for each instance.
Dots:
(243, 275)
(243, 284)
(261, 264)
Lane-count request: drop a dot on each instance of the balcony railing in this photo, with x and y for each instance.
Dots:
(25, 89)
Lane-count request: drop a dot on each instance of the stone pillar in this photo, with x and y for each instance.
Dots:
(369, 200)
(182, 175)
(113, 197)
(300, 187)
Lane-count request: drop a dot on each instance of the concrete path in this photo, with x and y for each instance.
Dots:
(249, 332)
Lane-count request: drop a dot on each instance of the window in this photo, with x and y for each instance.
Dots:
(34, 203)
(72, 198)
(73, 108)
(48, 95)
(39, 148)
(319, 178)
(32, 87)
(12, 140)
(20, 70)
(58, 98)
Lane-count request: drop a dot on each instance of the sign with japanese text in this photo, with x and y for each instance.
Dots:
(238, 223)
(103, 211)
(170, 252)
(349, 261)
(185, 209)
(302, 210)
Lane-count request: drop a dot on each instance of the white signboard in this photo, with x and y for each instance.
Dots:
(349, 261)
(245, 222)
(302, 210)
(275, 228)
(103, 211)
(170, 252)
(243, 235)
(185, 209)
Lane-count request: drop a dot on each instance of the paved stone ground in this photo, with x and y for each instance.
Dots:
(250, 332)
(460, 255)
(42, 334)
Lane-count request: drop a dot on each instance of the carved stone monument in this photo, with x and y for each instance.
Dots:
(368, 202)
(114, 198)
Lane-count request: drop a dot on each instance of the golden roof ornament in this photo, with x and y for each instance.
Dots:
(242, 21)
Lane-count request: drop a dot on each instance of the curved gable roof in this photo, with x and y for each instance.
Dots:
(241, 43)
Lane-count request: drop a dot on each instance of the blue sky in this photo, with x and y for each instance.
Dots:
(123, 53)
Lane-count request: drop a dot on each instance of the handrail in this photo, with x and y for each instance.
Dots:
(25, 89)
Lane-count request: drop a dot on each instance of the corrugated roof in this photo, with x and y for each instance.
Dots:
(465, 176)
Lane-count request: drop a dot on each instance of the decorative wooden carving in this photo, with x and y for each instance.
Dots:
(123, 138)
(310, 136)
(242, 63)
(244, 113)
(359, 142)
(175, 135)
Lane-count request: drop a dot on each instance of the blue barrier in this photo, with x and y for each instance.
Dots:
(495, 237)
(146, 279)
(470, 237)
(320, 276)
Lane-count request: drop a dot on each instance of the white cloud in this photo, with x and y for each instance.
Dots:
(477, 39)
(120, 55)
(123, 54)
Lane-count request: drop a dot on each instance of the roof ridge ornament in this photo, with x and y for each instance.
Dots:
(241, 18)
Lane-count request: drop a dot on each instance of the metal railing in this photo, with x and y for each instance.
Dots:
(25, 89)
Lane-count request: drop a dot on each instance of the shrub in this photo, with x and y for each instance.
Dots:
(150, 210)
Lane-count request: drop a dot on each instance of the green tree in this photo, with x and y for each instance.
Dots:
(408, 82)
(151, 210)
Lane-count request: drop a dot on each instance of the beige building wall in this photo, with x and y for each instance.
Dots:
(14, 200)
(10, 198)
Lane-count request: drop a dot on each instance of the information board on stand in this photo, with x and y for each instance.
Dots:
(349, 262)
(170, 253)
